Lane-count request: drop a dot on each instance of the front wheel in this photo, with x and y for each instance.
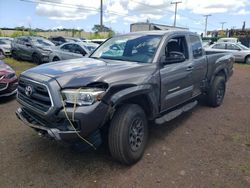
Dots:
(217, 91)
(36, 59)
(128, 134)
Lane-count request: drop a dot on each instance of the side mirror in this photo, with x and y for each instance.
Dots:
(173, 57)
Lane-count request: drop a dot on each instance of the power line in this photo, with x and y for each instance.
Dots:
(175, 12)
(222, 24)
(169, 11)
(206, 17)
(101, 16)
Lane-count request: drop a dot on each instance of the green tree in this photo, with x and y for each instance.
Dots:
(98, 28)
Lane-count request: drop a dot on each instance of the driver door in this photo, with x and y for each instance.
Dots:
(176, 77)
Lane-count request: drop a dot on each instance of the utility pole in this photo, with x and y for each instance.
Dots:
(222, 25)
(176, 4)
(206, 17)
(101, 16)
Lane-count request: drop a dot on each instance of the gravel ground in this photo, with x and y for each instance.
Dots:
(208, 147)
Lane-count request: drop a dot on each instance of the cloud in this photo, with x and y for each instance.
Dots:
(213, 6)
(67, 10)
(130, 11)
(242, 12)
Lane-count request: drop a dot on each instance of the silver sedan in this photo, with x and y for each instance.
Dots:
(70, 50)
(240, 52)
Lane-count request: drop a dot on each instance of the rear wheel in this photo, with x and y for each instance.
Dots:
(128, 134)
(36, 59)
(1, 53)
(247, 60)
(14, 55)
(217, 91)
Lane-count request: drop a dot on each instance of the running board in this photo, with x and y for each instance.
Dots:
(173, 114)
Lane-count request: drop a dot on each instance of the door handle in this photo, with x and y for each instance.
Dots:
(189, 68)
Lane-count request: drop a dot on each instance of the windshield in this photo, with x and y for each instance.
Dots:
(135, 48)
(243, 47)
(43, 42)
(5, 41)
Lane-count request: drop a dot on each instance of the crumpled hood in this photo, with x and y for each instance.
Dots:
(83, 71)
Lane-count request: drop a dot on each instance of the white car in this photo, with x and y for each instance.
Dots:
(231, 39)
(240, 52)
(5, 46)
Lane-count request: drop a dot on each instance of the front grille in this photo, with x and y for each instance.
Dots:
(3, 86)
(39, 98)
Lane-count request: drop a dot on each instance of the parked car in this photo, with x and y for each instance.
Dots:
(8, 80)
(158, 77)
(206, 43)
(70, 50)
(59, 40)
(90, 46)
(231, 39)
(36, 49)
(5, 45)
(240, 52)
(98, 41)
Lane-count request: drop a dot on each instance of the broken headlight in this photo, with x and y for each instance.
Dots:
(82, 97)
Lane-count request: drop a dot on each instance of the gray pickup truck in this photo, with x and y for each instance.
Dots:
(125, 83)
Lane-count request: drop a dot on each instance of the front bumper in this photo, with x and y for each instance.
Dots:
(7, 52)
(9, 90)
(51, 132)
(87, 119)
(45, 58)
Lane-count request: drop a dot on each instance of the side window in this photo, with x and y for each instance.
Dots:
(196, 46)
(67, 48)
(232, 47)
(177, 45)
(219, 46)
(79, 50)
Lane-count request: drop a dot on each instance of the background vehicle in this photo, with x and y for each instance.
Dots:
(5, 46)
(59, 40)
(155, 75)
(232, 40)
(98, 41)
(71, 50)
(36, 49)
(240, 52)
(8, 80)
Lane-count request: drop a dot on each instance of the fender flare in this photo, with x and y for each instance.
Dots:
(129, 93)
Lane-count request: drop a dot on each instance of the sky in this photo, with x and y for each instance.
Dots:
(119, 14)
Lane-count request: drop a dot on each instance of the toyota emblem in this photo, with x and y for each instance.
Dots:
(28, 91)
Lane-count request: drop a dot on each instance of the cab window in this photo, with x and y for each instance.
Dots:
(196, 46)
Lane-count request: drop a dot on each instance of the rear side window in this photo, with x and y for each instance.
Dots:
(68, 48)
(196, 46)
(219, 46)
(232, 47)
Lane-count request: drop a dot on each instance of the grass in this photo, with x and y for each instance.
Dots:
(18, 66)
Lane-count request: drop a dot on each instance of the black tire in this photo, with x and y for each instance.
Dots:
(1, 53)
(217, 92)
(36, 59)
(56, 59)
(14, 55)
(247, 60)
(128, 134)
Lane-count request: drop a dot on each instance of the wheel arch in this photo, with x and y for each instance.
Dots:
(140, 95)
